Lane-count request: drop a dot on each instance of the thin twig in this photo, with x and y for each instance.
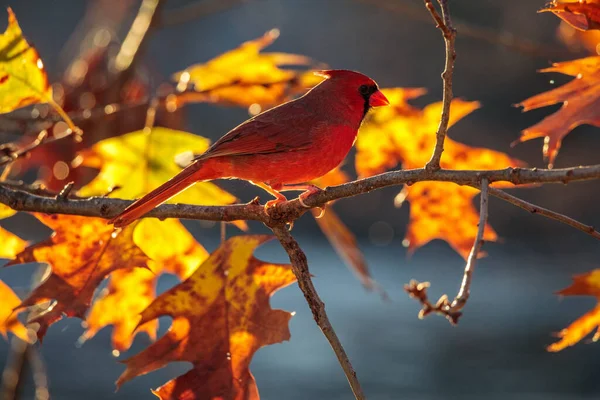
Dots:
(300, 267)
(453, 310)
(444, 23)
(535, 209)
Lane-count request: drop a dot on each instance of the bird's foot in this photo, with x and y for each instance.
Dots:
(310, 190)
(272, 203)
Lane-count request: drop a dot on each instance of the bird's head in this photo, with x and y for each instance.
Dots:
(355, 88)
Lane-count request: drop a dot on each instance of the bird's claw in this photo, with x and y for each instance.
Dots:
(305, 195)
(272, 203)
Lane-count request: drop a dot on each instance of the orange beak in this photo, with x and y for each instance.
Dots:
(377, 99)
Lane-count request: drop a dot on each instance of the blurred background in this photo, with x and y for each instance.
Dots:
(498, 349)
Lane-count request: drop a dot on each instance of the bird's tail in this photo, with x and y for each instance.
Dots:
(190, 175)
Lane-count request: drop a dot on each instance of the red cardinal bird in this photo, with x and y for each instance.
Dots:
(282, 148)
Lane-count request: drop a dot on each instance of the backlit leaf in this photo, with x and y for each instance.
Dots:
(245, 76)
(81, 252)
(8, 318)
(580, 14)
(23, 80)
(172, 249)
(221, 317)
(10, 244)
(580, 104)
(404, 134)
(138, 162)
(587, 284)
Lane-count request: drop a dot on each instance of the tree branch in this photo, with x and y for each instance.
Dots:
(300, 267)
(23, 198)
(535, 209)
(453, 310)
(444, 23)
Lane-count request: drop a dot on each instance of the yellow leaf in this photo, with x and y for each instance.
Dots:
(245, 76)
(6, 211)
(23, 80)
(221, 317)
(139, 162)
(8, 318)
(172, 249)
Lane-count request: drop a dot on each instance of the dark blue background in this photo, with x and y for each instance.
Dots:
(497, 351)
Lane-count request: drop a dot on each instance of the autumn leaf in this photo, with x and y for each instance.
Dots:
(8, 318)
(81, 252)
(580, 14)
(10, 244)
(23, 80)
(172, 249)
(245, 76)
(587, 284)
(139, 162)
(221, 317)
(580, 102)
(404, 134)
(338, 234)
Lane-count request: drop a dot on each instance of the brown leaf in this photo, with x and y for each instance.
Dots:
(587, 284)
(221, 317)
(580, 99)
(172, 249)
(8, 318)
(81, 252)
(580, 14)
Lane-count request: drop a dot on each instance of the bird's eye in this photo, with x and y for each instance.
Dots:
(364, 90)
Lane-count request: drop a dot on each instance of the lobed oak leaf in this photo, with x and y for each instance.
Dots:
(580, 14)
(221, 317)
(244, 76)
(439, 210)
(587, 284)
(81, 252)
(172, 249)
(8, 318)
(139, 161)
(580, 100)
(10, 244)
(338, 234)
(23, 79)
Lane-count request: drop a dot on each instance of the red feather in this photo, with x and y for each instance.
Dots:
(293, 143)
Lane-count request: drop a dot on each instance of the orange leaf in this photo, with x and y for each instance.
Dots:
(581, 14)
(10, 244)
(405, 134)
(172, 249)
(587, 284)
(440, 210)
(8, 318)
(221, 317)
(244, 76)
(81, 252)
(338, 234)
(580, 99)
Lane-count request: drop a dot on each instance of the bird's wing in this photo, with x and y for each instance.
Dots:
(286, 128)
